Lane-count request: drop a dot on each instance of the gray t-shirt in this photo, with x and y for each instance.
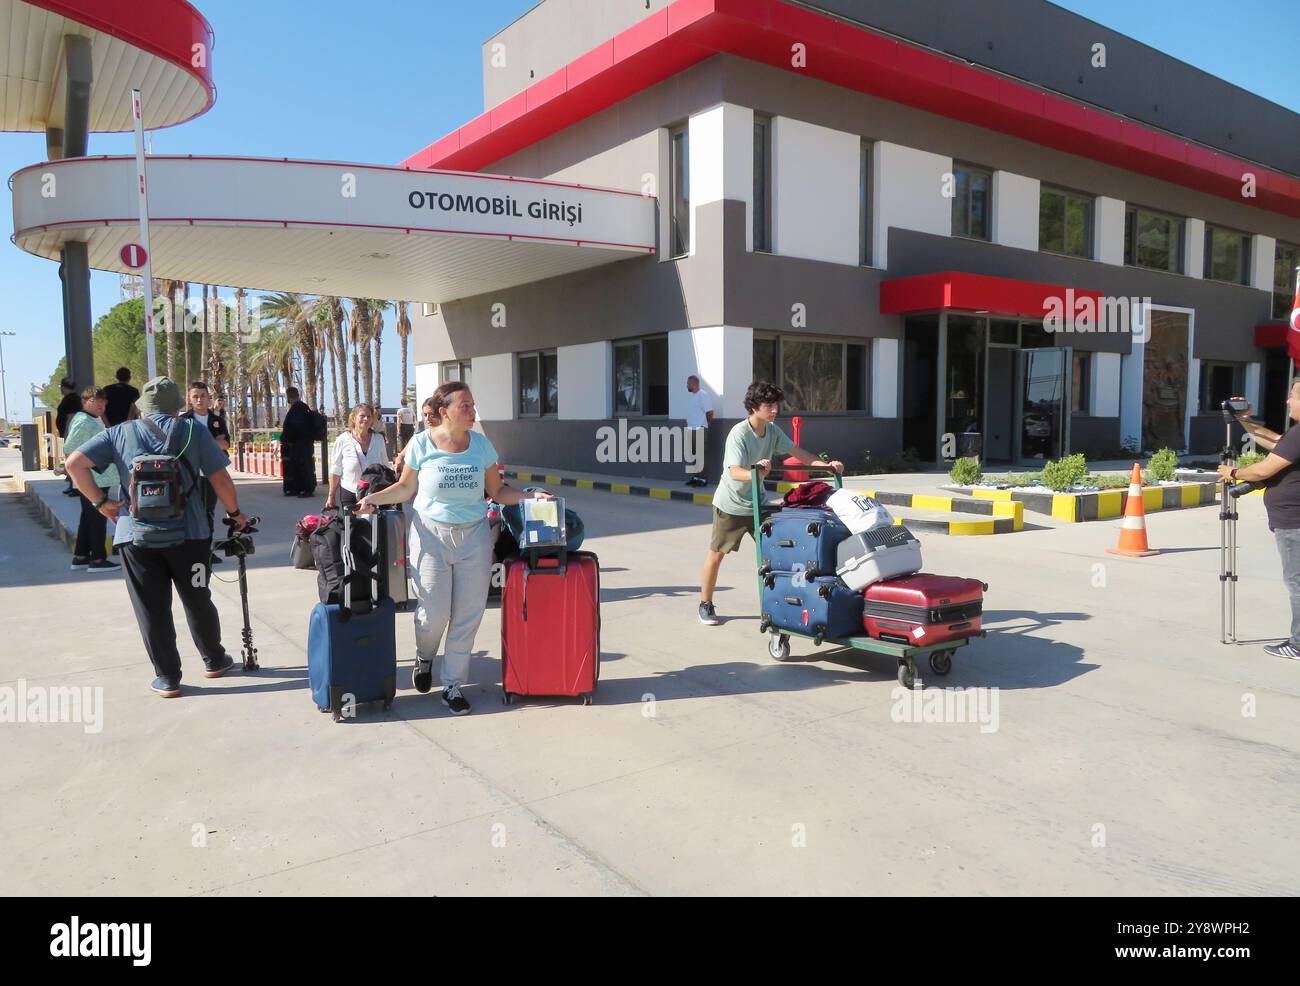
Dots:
(744, 448)
(116, 446)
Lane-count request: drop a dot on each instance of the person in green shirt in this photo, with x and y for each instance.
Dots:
(756, 441)
(90, 553)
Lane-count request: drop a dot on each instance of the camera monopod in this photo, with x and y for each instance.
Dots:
(239, 545)
(1228, 527)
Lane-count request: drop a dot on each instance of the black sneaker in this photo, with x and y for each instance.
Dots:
(455, 701)
(1285, 649)
(422, 676)
(79, 563)
(167, 686)
(215, 669)
(708, 615)
(102, 566)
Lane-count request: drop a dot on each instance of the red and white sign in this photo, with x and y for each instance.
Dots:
(133, 255)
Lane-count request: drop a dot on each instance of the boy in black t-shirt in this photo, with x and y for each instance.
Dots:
(121, 398)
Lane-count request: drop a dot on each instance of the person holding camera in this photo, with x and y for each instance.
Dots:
(448, 469)
(1278, 474)
(151, 572)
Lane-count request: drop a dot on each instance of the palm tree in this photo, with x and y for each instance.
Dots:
(403, 333)
(185, 326)
(293, 313)
(361, 343)
(241, 373)
(167, 293)
(377, 309)
(323, 315)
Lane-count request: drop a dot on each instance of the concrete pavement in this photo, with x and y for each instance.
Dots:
(1133, 753)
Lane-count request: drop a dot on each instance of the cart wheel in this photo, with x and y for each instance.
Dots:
(506, 698)
(778, 645)
(941, 661)
(586, 698)
(907, 674)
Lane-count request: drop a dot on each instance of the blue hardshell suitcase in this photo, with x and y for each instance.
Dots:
(819, 606)
(352, 654)
(801, 539)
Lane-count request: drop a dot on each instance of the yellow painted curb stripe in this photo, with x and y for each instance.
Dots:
(968, 527)
(705, 499)
(1191, 496)
(524, 477)
(785, 487)
(586, 484)
(922, 502)
(659, 494)
(619, 488)
(1065, 507)
(1153, 498)
(1013, 509)
(1109, 504)
(991, 494)
(553, 480)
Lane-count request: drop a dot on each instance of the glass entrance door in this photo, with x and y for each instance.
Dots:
(1043, 411)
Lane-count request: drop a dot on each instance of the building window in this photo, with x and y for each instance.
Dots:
(864, 204)
(762, 184)
(1285, 261)
(428, 308)
(1081, 383)
(816, 374)
(971, 201)
(539, 384)
(1227, 255)
(453, 370)
(1065, 222)
(1153, 240)
(641, 377)
(679, 191)
(1219, 381)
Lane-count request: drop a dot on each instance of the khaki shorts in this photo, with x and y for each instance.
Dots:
(729, 531)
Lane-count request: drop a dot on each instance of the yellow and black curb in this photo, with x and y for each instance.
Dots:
(1000, 517)
(54, 522)
(1076, 508)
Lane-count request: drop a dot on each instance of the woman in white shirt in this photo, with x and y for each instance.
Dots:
(355, 449)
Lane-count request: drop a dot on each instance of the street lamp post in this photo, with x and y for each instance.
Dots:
(3, 390)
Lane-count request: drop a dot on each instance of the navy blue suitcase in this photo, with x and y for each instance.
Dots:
(803, 539)
(821, 606)
(352, 657)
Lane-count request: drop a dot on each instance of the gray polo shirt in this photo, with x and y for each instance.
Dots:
(115, 444)
(744, 448)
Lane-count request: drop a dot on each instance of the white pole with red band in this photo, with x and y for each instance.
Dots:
(142, 193)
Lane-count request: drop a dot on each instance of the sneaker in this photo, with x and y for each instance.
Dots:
(455, 701)
(215, 669)
(166, 686)
(1285, 649)
(708, 615)
(422, 676)
(103, 565)
(79, 563)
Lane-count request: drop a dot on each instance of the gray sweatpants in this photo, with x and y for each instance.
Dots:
(1288, 547)
(452, 567)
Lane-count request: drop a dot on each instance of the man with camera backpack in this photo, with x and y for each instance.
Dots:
(162, 525)
(1279, 474)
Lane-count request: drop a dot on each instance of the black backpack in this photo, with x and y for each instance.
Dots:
(320, 427)
(327, 550)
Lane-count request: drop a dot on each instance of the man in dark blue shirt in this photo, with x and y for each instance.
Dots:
(152, 572)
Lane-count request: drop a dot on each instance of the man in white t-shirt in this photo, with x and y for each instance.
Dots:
(405, 424)
(699, 415)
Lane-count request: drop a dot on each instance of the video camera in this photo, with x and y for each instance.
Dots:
(237, 544)
(1234, 406)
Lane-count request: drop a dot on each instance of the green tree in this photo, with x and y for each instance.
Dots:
(117, 340)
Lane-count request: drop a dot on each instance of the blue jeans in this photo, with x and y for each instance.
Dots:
(1288, 546)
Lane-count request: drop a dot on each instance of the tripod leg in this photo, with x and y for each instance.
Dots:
(250, 652)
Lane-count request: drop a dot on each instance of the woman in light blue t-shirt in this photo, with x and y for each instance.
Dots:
(448, 468)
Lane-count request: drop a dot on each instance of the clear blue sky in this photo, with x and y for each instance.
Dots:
(375, 81)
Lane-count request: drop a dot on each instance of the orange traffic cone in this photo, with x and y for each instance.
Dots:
(1133, 533)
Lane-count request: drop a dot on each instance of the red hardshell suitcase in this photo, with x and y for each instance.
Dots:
(550, 626)
(924, 609)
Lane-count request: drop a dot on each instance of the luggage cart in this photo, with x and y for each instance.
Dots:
(938, 656)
